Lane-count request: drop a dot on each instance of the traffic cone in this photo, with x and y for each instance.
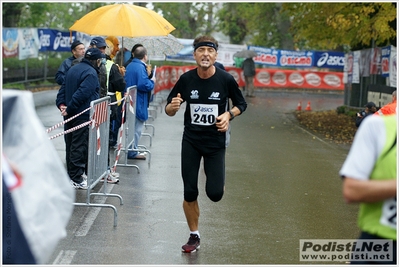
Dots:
(308, 108)
(299, 107)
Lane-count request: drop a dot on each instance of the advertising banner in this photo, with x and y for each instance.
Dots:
(330, 60)
(10, 42)
(364, 62)
(266, 56)
(282, 58)
(393, 68)
(54, 40)
(287, 58)
(349, 66)
(275, 78)
(356, 68)
(375, 60)
(167, 76)
(225, 52)
(385, 57)
(28, 43)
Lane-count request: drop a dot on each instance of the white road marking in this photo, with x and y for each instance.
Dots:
(91, 215)
(65, 257)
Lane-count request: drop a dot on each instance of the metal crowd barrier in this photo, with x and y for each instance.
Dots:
(98, 153)
(127, 128)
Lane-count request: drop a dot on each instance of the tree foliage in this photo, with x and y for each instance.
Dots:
(190, 19)
(11, 14)
(232, 22)
(335, 25)
(295, 25)
(260, 24)
(45, 14)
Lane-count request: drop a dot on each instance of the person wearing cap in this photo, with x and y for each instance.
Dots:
(103, 77)
(78, 51)
(388, 108)
(370, 109)
(99, 42)
(207, 91)
(81, 86)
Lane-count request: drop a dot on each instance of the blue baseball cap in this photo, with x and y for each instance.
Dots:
(98, 42)
(94, 54)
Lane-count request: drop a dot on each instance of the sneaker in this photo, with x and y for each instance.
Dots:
(114, 174)
(141, 156)
(84, 176)
(192, 245)
(82, 185)
(112, 178)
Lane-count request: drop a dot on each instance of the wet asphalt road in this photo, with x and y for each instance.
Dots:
(282, 185)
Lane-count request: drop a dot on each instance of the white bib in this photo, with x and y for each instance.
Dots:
(202, 114)
(388, 216)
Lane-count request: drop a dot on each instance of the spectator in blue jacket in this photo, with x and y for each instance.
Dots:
(136, 74)
(78, 51)
(81, 86)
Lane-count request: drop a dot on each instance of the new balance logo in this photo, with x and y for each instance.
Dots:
(214, 96)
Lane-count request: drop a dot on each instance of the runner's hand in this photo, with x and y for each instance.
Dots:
(223, 122)
(174, 105)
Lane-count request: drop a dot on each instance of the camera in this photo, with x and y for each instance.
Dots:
(361, 114)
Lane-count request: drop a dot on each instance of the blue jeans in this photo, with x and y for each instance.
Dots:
(138, 129)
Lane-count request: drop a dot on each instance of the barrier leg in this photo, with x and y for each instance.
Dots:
(100, 206)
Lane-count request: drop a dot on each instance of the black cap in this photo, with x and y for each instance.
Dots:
(370, 105)
(75, 44)
(94, 54)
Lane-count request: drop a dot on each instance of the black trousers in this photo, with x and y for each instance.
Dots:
(214, 167)
(76, 148)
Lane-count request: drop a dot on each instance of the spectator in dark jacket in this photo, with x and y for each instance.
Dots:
(219, 65)
(369, 110)
(248, 67)
(99, 42)
(78, 51)
(81, 86)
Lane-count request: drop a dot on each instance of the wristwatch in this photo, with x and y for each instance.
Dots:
(231, 115)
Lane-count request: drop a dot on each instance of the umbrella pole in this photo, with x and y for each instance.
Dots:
(122, 54)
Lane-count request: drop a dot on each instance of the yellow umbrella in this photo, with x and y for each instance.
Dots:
(125, 20)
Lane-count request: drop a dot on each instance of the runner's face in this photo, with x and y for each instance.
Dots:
(205, 56)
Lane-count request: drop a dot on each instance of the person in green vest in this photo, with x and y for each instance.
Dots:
(369, 178)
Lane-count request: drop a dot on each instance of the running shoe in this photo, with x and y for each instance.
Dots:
(114, 174)
(82, 185)
(192, 245)
(112, 178)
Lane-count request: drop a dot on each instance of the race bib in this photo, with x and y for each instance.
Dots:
(204, 115)
(388, 217)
